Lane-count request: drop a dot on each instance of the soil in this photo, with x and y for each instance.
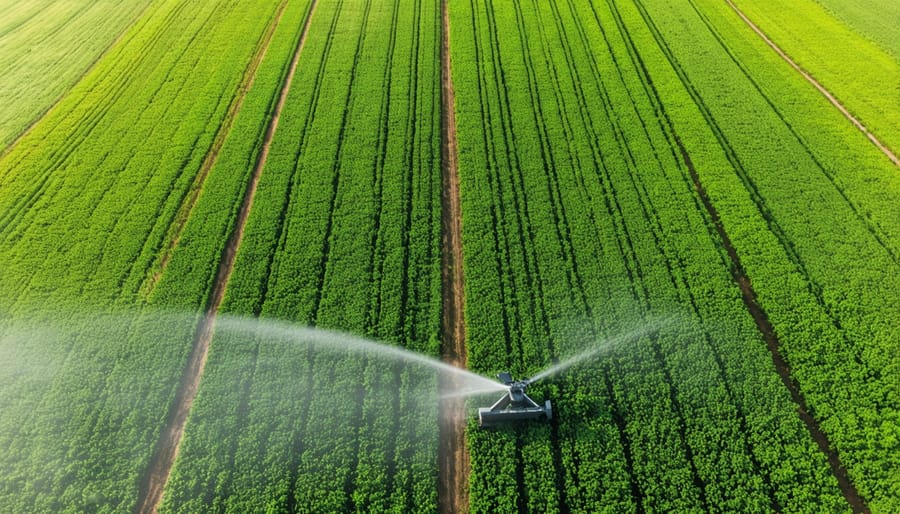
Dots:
(453, 454)
(166, 451)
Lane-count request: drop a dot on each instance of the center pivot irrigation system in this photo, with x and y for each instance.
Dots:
(514, 405)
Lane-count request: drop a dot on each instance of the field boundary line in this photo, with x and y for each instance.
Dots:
(87, 70)
(166, 450)
(176, 229)
(453, 454)
(809, 78)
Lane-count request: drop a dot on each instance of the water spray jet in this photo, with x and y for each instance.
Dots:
(515, 405)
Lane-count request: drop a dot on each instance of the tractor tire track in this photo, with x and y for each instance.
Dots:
(166, 450)
(809, 78)
(453, 456)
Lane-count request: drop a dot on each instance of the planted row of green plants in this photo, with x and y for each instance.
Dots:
(807, 211)
(580, 223)
(863, 176)
(344, 234)
(853, 68)
(87, 166)
(872, 20)
(47, 47)
(85, 194)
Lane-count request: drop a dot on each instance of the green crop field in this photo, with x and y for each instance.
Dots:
(47, 47)
(237, 239)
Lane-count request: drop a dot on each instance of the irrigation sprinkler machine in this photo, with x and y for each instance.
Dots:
(514, 405)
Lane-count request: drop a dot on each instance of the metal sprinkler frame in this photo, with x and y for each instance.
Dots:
(514, 405)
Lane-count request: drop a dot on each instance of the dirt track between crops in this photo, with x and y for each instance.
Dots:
(834, 101)
(166, 450)
(190, 201)
(453, 456)
(774, 345)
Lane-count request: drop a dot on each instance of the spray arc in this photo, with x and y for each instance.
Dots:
(514, 405)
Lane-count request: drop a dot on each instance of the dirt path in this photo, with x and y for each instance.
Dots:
(890, 155)
(173, 236)
(774, 346)
(153, 484)
(453, 456)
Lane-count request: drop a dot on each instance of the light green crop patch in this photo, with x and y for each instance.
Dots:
(46, 47)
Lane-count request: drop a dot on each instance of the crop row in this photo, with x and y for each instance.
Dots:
(581, 221)
(873, 20)
(821, 270)
(47, 46)
(586, 130)
(807, 211)
(344, 234)
(84, 194)
(851, 67)
(91, 177)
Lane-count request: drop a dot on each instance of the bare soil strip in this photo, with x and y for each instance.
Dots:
(166, 451)
(173, 236)
(834, 101)
(774, 346)
(453, 456)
